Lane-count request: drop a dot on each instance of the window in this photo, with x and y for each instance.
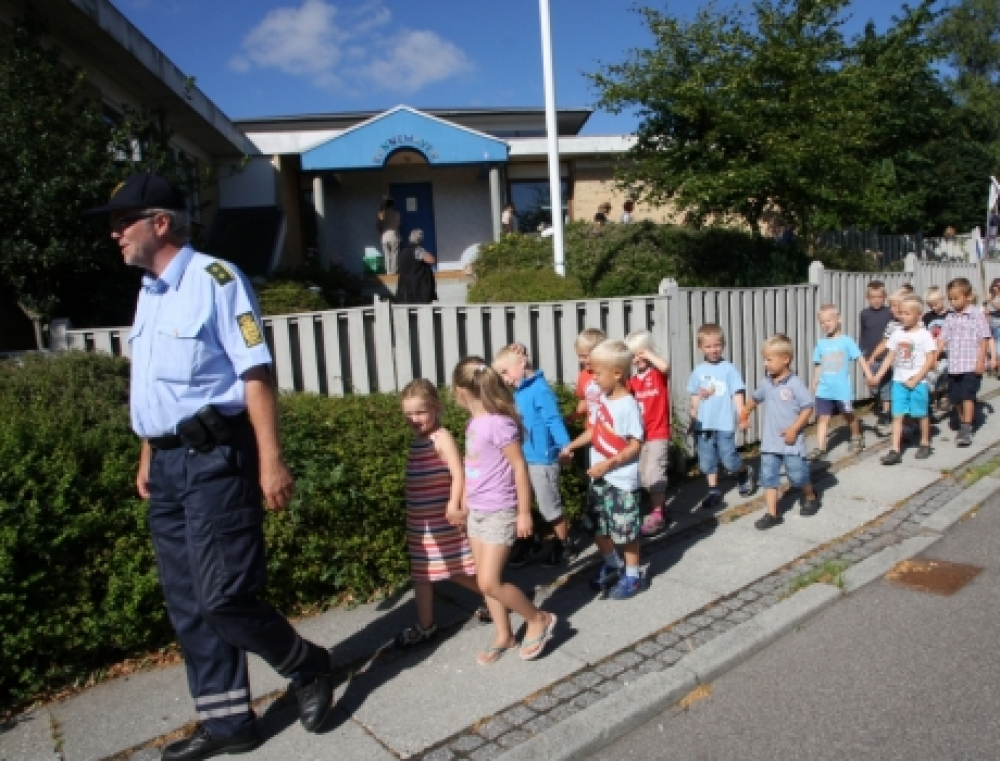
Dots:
(533, 203)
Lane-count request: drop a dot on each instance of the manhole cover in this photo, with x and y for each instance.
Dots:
(937, 576)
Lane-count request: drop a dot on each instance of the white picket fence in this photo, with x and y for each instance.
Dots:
(382, 347)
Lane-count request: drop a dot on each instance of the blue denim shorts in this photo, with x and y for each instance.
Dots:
(796, 467)
(715, 447)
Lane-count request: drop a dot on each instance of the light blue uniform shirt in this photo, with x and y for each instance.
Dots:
(197, 330)
(834, 357)
(718, 411)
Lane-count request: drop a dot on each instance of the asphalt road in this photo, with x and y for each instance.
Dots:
(887, 673)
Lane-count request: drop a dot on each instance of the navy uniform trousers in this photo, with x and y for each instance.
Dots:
(206, 519)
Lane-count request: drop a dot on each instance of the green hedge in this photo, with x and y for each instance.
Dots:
(78, 586)
(310, 288)
(524, 285)
(629, 260)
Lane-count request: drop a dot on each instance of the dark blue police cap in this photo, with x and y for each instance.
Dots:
(143, 190)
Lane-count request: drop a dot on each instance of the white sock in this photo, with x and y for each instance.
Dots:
(632, 571)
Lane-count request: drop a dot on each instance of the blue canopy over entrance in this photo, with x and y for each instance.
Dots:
(368, 145)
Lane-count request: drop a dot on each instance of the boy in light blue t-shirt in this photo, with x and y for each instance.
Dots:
(717, 396)
(832, 384)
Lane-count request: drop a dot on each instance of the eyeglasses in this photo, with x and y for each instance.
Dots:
(128, 220)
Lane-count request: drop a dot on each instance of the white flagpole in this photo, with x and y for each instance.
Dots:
(551, 128)
(992, 233)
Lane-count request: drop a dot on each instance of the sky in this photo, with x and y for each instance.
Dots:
(284, 57)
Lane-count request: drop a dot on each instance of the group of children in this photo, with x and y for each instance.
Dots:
(463, 518)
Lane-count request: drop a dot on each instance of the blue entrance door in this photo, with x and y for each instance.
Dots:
(415, 204)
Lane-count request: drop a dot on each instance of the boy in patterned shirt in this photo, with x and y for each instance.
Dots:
(966, 335)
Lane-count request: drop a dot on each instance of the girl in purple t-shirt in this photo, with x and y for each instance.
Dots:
(498, 501)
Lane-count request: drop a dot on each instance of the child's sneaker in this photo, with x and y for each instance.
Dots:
(714, 499)
(606, 578)
(856, 445)
(816, 454)
(964, 437)
(923, 452)
(892, 457)
(810, 506)
(628, 586)
(745, 484)
(767, 521)
(654, 524)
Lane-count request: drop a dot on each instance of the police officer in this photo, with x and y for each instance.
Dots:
(203, 402)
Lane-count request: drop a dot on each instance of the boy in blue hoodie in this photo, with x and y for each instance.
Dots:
(544, 436)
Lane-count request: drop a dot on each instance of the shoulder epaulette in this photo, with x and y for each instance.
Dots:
(221, 273)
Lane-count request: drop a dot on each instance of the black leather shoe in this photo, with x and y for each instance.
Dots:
(314, 699)
(203, 745)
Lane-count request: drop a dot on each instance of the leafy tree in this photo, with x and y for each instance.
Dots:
(59, 155)
(969, 35)
(776, 110)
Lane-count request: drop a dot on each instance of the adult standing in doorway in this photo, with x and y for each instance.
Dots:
(203, 402)
(387, 224)
(508, 219)
(416, 272)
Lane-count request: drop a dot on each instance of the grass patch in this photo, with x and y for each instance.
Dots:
(979, 472)
(830, 572)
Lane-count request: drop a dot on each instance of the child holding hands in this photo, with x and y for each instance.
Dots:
(435, 518)
(912, 354)
(614, 435)
(498, 500)
(648, 385)
(789, 406)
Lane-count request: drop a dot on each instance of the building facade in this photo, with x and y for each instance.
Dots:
(450, 172)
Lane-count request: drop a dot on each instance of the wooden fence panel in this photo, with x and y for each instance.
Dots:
(307, 352)
(450, 353)
(281, 352)
(357, 352)
(335, 385)
(547, 359)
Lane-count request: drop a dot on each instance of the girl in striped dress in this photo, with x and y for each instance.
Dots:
(435, 519)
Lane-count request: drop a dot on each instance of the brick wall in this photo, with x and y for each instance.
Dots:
(593, 185)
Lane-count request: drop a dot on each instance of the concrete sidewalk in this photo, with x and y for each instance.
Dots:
(709, 575)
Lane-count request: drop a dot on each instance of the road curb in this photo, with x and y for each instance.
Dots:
(591, 729)
(961, 506)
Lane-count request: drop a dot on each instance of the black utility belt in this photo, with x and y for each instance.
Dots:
(203, 431)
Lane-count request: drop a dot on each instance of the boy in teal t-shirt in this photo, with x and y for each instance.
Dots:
(832, 384)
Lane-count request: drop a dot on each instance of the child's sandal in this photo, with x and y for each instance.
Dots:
(415, 635)
(483, 615)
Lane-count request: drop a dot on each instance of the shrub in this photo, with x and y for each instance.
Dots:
(310, 288)
(524, 285)
(630, 260)
(290, 297)
(77, 575)
(78, 588)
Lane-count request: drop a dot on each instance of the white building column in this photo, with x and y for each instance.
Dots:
(495, 205)
(321, 206)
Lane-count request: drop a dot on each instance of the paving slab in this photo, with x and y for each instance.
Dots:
(837, 516)
(603, 627)
(946, 457)
(123, 713)
(341, 740)
(28, 738)
(732, 557)
(873, 481)
(416, 702)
